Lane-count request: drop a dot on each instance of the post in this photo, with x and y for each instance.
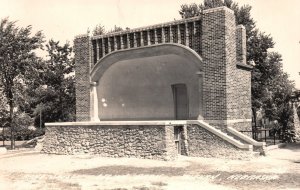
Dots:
(94, 103)
(40, 118)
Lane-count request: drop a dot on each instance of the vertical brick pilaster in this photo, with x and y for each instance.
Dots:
(219, 56)
(82, 50)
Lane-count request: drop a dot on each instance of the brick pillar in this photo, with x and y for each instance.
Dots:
(178, 34)
(108, 45)
(241, 44)
(219, 57)
(134, 39)
(163, 40)
(148, 38)
(82, 50)
(115, 43)
(187, 35)
(103, 47)
(142, 39)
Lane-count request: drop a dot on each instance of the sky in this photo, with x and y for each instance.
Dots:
(62, 20)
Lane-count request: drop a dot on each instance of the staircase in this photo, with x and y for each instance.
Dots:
(235, 138)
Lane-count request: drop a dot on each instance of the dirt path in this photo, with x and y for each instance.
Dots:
(31, 170)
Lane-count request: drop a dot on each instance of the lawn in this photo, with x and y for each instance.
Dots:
(280, 169)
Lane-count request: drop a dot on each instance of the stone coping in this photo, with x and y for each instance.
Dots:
(244, 66)
(118, 123)
(245, 137)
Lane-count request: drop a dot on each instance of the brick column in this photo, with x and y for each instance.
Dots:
(148, 38)
(108, 45)
(121, 41)
(171, 34)
(82, 50)
(178, 34)
(163, 40)
(187, 40)
(142, 39)
(155, 36)
(115, 43)
(241, 44)
(134, 40)
(219, 57)
(103, 47)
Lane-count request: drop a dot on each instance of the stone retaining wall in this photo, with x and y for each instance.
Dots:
(203, 143)
(152, 142)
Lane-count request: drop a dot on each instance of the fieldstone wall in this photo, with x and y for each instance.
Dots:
(151, 142)
(203, 143)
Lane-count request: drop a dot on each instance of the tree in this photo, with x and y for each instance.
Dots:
(52, 90)
(279, 90)
(17, 47)
(116, 29)
(99, 30)
(258, 44)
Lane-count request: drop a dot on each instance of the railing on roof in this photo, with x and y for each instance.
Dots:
(186, 32)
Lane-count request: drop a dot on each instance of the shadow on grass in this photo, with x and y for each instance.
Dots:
(295, 147)
(131, 170)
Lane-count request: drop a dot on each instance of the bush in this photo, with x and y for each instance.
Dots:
(23, 134)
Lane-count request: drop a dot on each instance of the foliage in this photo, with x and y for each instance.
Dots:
(17, 46)
(116, 29)
(99, 30)
(52, 91)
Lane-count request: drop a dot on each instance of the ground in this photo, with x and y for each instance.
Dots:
(30, 170)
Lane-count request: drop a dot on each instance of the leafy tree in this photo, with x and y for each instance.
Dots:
(52, 90)
(17, 46)
(278, 91)
(116, 29)
(99, 30)
(258, 44)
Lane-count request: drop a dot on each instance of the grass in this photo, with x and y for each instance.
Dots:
(131, 170)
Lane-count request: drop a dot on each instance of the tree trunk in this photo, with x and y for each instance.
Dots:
(12, 127)
(255, 127)
(3, 137)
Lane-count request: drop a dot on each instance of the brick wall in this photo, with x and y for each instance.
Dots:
(218, 58)
(214, 36)
(227, 89)
(82, 51)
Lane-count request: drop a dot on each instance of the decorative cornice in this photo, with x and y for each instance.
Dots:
(224, 8)
(81, 36)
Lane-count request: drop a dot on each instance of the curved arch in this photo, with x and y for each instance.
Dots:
(147, 51)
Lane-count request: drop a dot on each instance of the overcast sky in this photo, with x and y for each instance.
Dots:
(64, 19)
